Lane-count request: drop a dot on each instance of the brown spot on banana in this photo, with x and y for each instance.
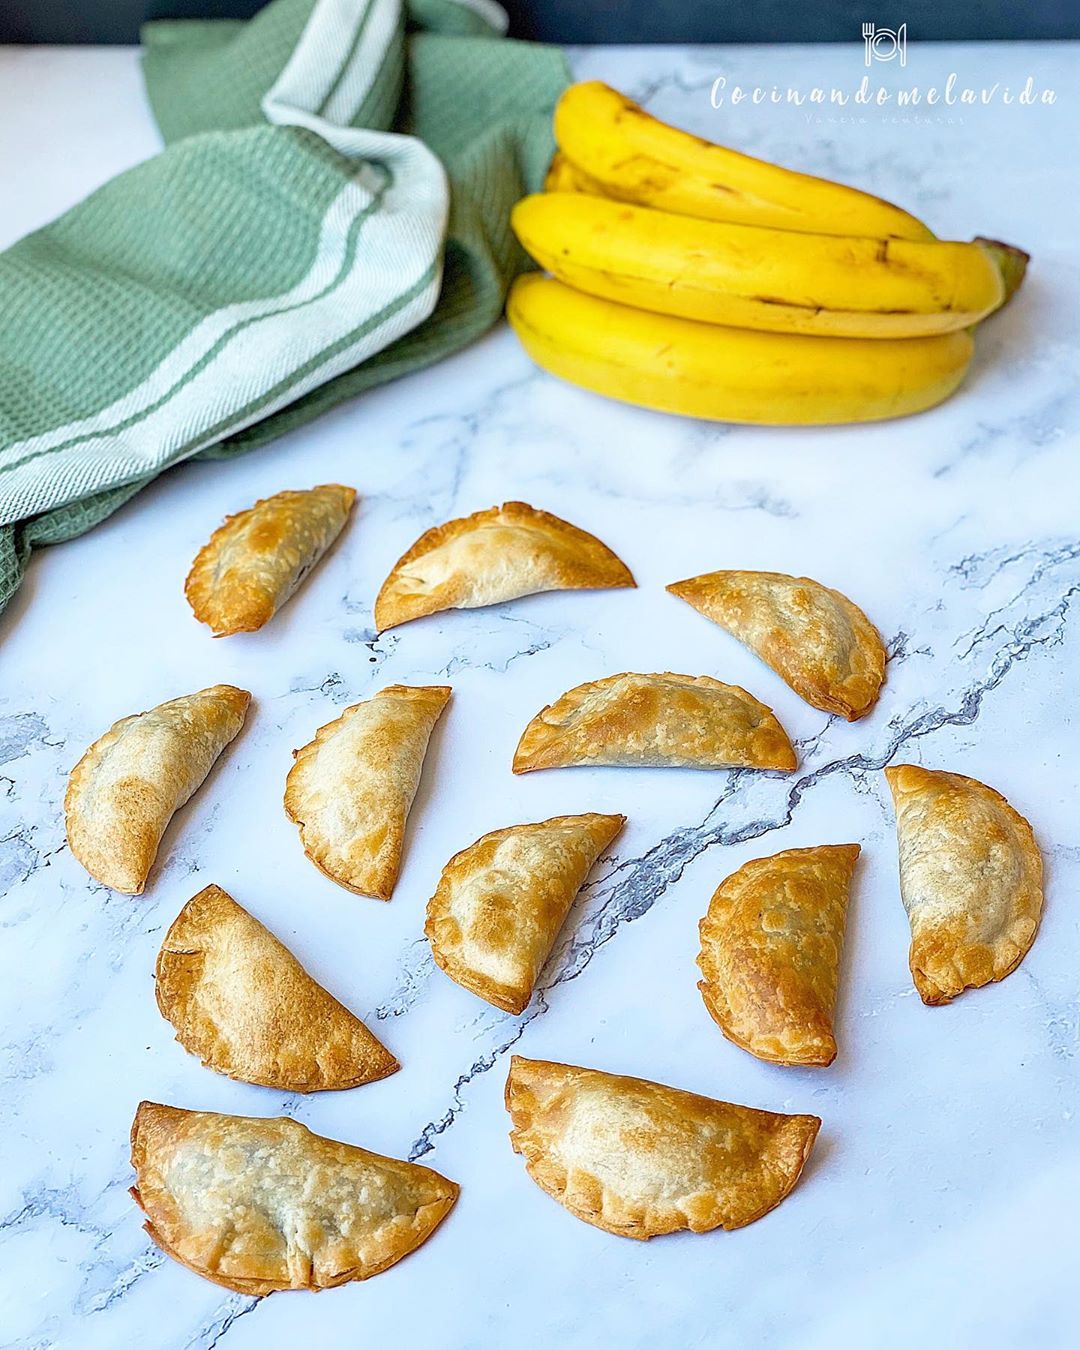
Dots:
(787, 304)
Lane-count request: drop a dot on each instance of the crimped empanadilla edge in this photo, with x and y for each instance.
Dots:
(718, 1009)
(78, 781)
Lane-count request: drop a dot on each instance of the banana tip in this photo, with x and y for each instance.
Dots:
(1012, 261)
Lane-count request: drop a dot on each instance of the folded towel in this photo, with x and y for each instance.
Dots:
(331, 211)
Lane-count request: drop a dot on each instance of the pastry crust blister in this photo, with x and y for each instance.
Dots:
(684, 721)
(971, 878)
(641, 1159)
(815, 638)
(770, 952)
(493, 556)
(128, 785)
(257, 559)
(501, 902)
(259, 1205)
(241, 1001)
(351, 788)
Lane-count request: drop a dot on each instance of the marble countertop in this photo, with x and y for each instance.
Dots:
(940, 1203)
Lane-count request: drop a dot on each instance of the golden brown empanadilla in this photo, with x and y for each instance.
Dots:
(770, 952)
(500, 903)
(244, 1004)
(680, 721)
(492, 556)
(351, 788)
(970, 878)
(257, 559)
(124, 791)
(264, 1204)
(815, 639)
(640, 1159)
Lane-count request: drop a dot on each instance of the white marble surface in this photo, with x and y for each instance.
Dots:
(940, 1204)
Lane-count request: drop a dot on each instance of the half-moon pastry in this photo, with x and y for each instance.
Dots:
(770, 952)
(260, 1204)
(124, 791)
(681, 721)
(351, 788)
(500, 903)
(970, 879)
(244, 1004)
(257, 559)
(491, 556)
(815, 639)
(641, 1159)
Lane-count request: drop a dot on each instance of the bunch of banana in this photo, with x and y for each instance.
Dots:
(729, 374)
(694, 279)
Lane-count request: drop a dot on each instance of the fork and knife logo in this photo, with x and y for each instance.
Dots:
(885, 44)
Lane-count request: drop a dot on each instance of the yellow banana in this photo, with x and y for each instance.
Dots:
(729, 374)
(633, 157)
(751, 276)
(563, 176)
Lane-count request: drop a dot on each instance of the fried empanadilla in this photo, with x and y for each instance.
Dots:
(351, 788)
(242, 1002)
(500, 903)
(257, 559)
(259, 1204)
(124, 791)
(770, 952)
(815, 639)
(640, 1159)
(491, 556)
(678, 721)
(970, 878)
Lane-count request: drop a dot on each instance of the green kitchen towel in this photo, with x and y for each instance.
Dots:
(331, 211)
